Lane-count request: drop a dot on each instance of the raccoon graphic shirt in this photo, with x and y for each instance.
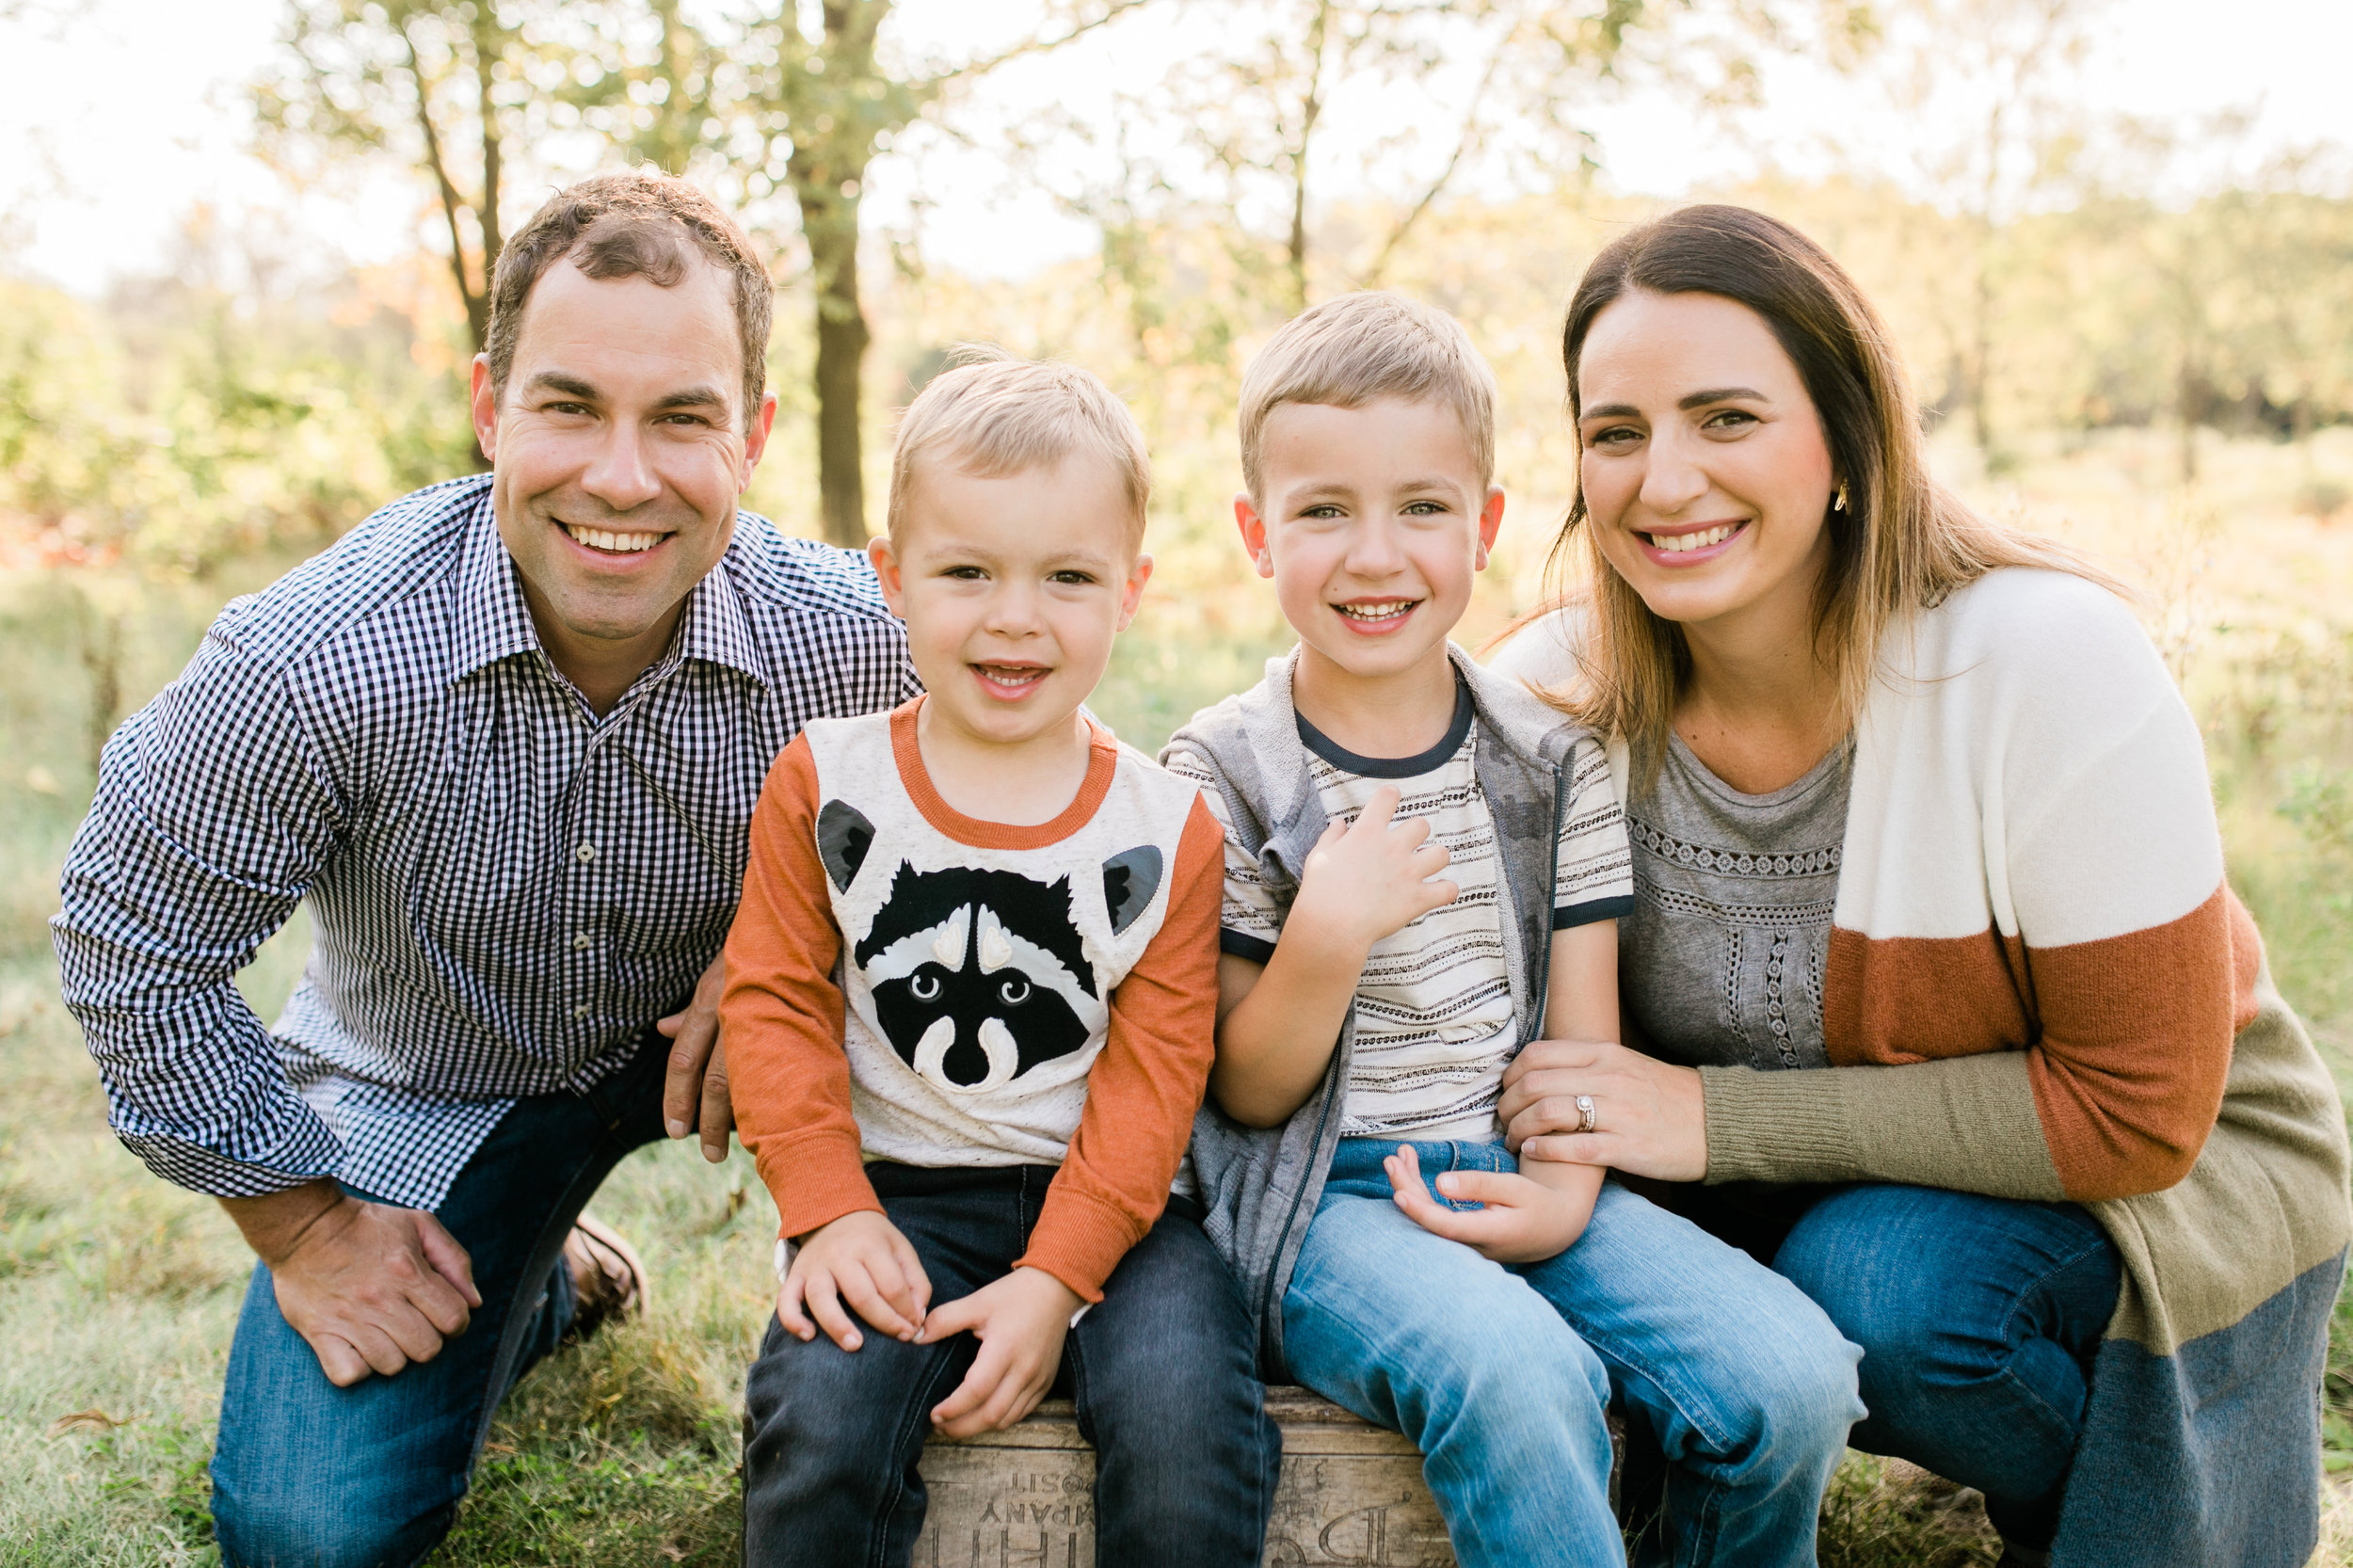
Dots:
(909, 983)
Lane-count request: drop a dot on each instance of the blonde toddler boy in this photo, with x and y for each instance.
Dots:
(970, 996)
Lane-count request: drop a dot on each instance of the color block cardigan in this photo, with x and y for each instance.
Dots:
(2040, 986)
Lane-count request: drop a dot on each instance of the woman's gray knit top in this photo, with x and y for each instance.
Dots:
(1720, 964)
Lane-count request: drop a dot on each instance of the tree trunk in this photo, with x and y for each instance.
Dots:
(1981, 354)
(101, 656)
(2185, 396)
(825, 181)
(841, 340)
(477, 301)
(832, 139)
(1296, 253)
(487, 49)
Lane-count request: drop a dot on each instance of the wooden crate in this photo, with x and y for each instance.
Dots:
(1351, 1493)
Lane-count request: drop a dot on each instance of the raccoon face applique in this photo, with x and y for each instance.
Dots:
(978, 975)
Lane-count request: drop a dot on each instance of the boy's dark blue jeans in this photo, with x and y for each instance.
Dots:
(1162, 1371)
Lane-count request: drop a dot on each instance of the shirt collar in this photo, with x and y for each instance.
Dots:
(494, 623)
(715, 628)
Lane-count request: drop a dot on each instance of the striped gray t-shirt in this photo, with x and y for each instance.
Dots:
(1434, 1008)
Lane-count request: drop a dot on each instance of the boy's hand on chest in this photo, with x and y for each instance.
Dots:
(1371, 878)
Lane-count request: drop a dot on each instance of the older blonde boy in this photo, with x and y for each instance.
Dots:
(1423, 869)
(970, 1010)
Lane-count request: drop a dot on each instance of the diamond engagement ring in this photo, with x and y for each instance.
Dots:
(1586, 1121)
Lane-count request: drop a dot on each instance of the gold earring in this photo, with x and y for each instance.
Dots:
(1838, 502)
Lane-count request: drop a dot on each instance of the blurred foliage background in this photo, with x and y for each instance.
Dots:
(2135, 334)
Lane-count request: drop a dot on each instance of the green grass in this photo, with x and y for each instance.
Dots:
(118, 1293)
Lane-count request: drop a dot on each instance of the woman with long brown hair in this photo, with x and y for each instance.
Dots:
(1914, 804)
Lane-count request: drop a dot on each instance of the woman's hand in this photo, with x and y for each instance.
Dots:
(1650, 1118)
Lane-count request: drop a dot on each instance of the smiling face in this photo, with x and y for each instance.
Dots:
(618, 447)
(1704, 470)
(1013, 589)
(1372, 522)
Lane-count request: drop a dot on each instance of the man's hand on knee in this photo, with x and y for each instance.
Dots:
(369, 1287)
(694, 1088)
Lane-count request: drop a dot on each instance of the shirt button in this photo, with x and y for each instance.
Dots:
(585, 853)
(581, 1011)
(580, 940)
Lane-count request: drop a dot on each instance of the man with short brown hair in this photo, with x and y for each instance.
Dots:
(504, 739)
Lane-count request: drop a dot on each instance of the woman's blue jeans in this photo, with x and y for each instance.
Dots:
(1502, 1375)
(1978, 1320)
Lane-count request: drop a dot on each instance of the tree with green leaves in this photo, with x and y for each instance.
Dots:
(441, 87)
(803, 98)
(758, 97)
(1470, 88)
(2000, 75)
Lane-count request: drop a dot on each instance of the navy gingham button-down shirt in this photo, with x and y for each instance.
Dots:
(505, 891)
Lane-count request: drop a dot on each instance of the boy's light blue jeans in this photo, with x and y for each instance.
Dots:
(1501, 1374)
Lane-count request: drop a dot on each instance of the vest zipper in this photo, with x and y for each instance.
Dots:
(1551, 891)
(1333, 1090)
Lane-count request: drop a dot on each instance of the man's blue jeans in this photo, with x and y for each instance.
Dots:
(307, 1475)
(1979, 1318)
(1502, 1375)
(1162, 1372)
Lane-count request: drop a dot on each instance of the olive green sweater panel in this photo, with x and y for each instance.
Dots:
(1968, 1124)
(2269, 1185)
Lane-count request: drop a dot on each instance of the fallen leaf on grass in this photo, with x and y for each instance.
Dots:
(92, 1419)
(675, 1553)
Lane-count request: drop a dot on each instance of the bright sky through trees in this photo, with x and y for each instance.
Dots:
(116, 116)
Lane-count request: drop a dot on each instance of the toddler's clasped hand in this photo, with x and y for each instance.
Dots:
(1020, 1321)
(861, 1262)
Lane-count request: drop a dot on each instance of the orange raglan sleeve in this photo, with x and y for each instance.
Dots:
(780, 1015)
(1143, 1091)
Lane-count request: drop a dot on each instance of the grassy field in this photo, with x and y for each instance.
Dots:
(118, 1293)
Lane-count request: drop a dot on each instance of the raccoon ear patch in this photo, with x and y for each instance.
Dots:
(1130, 880)
(843, 837)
